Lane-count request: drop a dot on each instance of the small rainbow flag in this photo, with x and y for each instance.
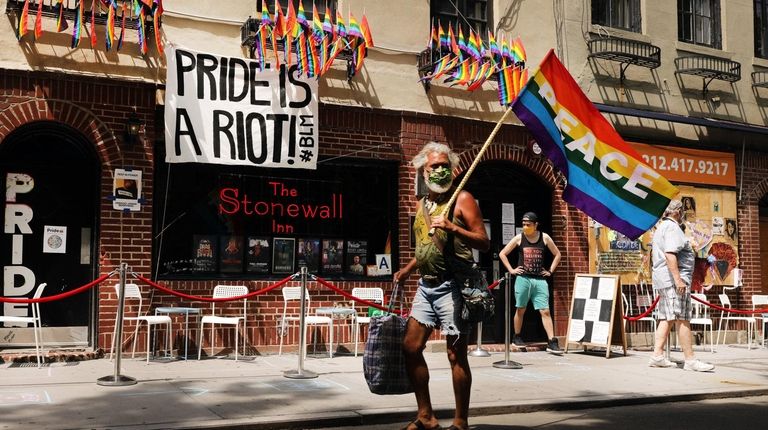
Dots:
(156, 15)
(341, 29)
(607, 178)
(93, 24)
(328, 27)
(39, 20)
(278, 32)
(354, 28)
(142, 32)
(61, 22)
(301, 18)
(77, 32)
(23, 21)
(110, 39)
(317, 24)
(366, 30)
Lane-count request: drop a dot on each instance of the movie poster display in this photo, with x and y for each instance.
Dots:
(356, 257)
(204, 249)
(231, 254)
(332, 255)
(284, 254)
(309, 254)
(259, 254)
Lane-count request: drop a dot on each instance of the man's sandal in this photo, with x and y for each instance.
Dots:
(420, 425)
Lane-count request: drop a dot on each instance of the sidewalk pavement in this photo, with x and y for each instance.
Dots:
(253, 393)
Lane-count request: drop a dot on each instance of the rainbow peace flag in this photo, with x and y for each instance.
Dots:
(607, 178)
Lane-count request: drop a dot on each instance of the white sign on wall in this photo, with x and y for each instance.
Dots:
(55, 239)
(224, 110)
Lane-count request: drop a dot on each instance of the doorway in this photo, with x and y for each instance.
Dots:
(50, 230)
(496, 184)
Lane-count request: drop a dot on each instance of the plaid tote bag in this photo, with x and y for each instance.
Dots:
(383, 359)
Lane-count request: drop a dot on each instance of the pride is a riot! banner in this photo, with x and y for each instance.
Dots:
(607, 178)
(225, 110)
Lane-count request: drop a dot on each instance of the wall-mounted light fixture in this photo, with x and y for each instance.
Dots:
(132, 129)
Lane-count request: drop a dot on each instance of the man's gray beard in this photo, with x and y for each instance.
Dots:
(439, 189)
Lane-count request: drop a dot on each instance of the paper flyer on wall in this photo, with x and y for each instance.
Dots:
(55, 240)
(357, 253)
(126, 189)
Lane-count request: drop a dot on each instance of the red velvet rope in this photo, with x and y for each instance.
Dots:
(211, 299)
(350, 296)
(61, 296)
(495, 284)
(736, 311)
(647, 312)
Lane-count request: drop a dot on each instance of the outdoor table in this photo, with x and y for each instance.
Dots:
(335, 312)
(186, 311)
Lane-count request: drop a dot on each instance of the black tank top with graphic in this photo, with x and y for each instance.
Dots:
(531, 256)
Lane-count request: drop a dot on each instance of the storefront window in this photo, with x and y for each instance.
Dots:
(227, 222)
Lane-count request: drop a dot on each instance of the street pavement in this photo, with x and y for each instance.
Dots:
(253, 393)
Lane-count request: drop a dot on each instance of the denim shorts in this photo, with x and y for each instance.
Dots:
(439, 303)
(535, 289)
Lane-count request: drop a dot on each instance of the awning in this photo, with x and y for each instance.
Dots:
(661, 116)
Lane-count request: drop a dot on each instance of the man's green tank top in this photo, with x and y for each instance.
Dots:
(429, 259)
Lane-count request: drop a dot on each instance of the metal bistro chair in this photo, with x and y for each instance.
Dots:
(700, 316)
(34, 320)
(727, 317)
(375, 295)
(294, 294)
(132, 291)
(760, 301)
(224, 291)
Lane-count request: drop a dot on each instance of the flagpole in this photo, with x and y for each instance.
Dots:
(473, 165)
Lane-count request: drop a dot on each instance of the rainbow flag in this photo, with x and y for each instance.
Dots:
(93, 24)
(607, 178)
(328, 27)
(112, 11)
(341, 29)
(142, 32)
(301, 18)
(39, 21)
(366, 29)
(61, 22)
(77, 32)
(279, 31)
(156, 15)
(354, 28)
(506, 86)
(473, 46)
(23, 21)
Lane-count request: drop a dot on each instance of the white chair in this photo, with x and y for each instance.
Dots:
(294, 294)
(700, 316)
(224, 291)
(34, 320)
(760, 301)
(641, 309)
(728, 317)
(375, 295)
(133, 292)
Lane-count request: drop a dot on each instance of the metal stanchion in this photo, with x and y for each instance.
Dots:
(117, 379)
(479, 351)
(301, 373)
(507, 363)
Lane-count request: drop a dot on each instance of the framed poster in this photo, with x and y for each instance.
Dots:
(231, 254)
(357, 253)
(283, 255)
(204, 249)
(309, 254)
(259, 255)
(332, 255)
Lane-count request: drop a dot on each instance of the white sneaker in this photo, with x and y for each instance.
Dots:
(698, 366)
(661, 361)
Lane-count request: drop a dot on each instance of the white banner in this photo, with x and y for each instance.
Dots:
(223, 110)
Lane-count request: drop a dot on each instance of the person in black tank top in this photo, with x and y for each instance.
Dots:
(531, 276)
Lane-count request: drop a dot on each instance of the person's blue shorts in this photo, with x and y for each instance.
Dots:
(531, 289)
(439, 303)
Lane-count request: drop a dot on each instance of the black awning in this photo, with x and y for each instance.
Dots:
(681, 119)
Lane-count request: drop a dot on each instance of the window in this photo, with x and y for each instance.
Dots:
(761, 28)
(698, 22)
(228, 222)
(461, 13)
(623, 14)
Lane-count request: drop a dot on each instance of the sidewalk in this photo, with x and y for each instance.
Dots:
(253, 394)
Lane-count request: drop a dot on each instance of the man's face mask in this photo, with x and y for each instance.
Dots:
(440, 176)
